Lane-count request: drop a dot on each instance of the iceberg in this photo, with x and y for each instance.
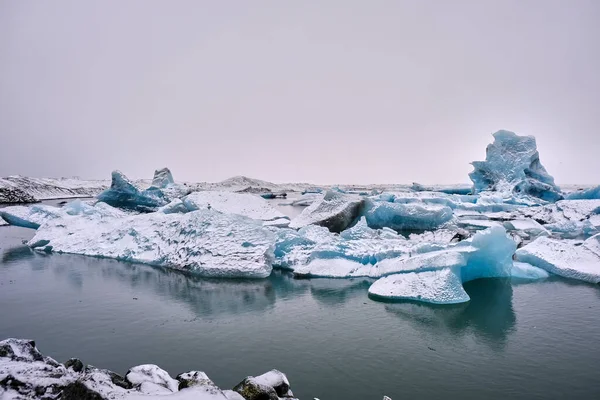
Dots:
(124, 194)
(205, 242)
(569, 259)
(333, 210)
(406, 216)
(29, 216)
(568, 219)
(437, 277)
(247, 205)
(592, 193)
(36, 215)
(438, 287)
(513, 165)
(162, 178)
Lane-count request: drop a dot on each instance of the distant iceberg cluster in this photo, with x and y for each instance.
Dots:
(416, 243)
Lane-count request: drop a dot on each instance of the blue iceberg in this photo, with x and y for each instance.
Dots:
(512, 164)
(592, 193)
(124, 194)
(406, 216)
(162, 178)
(437, 277)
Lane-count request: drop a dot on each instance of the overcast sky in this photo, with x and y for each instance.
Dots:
(333, 91)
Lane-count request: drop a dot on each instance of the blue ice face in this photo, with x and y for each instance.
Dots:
(124, 194)
(512, 163)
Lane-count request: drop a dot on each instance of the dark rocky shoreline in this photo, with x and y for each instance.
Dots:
(25, 373)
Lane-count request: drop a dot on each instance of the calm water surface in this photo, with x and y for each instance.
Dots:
(518, 341)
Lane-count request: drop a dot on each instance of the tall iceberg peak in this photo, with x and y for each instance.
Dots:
(512, 164)
(123, 193)
(162, 178)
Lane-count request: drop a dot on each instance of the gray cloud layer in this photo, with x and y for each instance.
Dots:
(321, 91)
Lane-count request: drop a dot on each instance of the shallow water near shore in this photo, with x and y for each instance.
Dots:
(523, 341)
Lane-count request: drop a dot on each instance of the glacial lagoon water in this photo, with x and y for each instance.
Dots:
(518, 341)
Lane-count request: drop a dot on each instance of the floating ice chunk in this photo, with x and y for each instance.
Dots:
(124, 194)
(2, 221)
(29, 216)
(487, 254)
(335, 211)
(162, 178)
(151, 379)
(401, 217)
(205, 241)
(513, 165)
(586, 194)
(527, 271)
(564, 258)
(244, 204)
(439, 287)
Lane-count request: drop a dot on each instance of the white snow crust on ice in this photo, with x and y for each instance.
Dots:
(564, 258)
(206, 242)
(247, 205)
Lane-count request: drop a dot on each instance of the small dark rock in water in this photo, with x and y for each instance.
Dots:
(272, 385)
(118, 380)
(75, 364)
(251, 390)
(78, 391)
(135, 298)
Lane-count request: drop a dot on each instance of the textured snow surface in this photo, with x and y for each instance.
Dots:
(512, 164)
(564, 258)
(27, 374)
(21, 189)
(333, 210)
(29, 216)
(406, 216)
(437, 276)
(439, 287)
(206, 242)
(248, 205)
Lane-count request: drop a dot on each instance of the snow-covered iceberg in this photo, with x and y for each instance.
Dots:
(406, 216)
(570, 259)
(29, 216)
(38, 214)
(205, 242)
(247, 205)
(437, 277)
(333, 210)
(162, 178)
(513, 165)
(441, 286)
